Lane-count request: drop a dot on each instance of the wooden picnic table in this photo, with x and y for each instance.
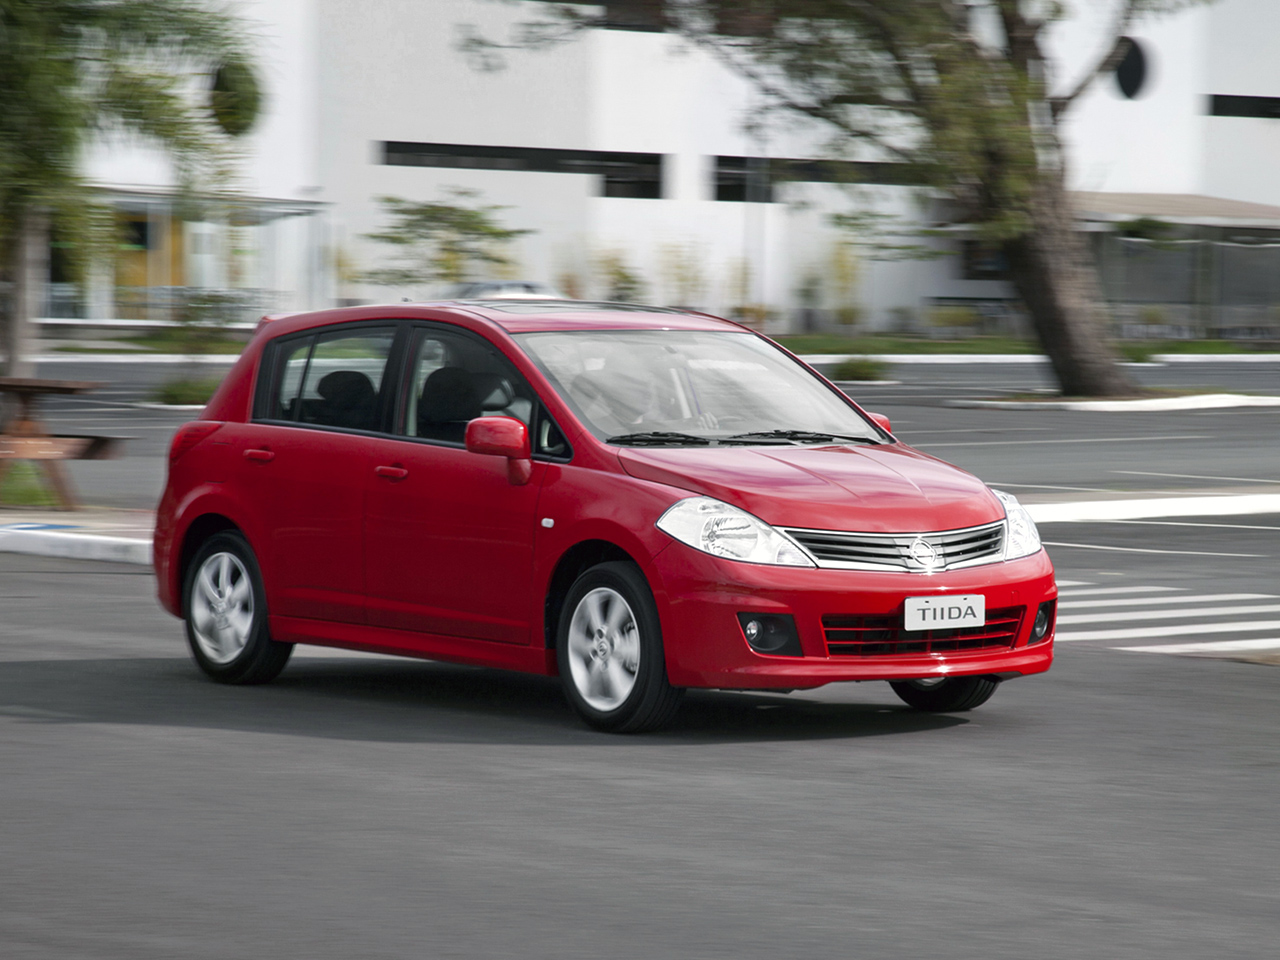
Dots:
(24, 437)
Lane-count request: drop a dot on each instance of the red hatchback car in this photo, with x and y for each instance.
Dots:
(636, 499)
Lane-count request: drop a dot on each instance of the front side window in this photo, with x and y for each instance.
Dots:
(689, 386)
(455, 378)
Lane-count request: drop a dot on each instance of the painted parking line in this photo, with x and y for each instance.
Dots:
(1060, 440)
(1210, 646)
(1192, 476)
(1184, 553)
(1127, 615)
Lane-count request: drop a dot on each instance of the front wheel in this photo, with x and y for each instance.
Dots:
(946, 694)
(226, 609)
(609, 651)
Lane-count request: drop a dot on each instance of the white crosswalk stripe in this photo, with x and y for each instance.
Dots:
(1089, 604)
(1123, 611)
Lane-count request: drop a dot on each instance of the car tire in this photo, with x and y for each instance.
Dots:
(226, 614)
(609, 651)
(948, 695)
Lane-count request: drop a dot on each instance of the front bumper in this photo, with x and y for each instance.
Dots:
(700, 597)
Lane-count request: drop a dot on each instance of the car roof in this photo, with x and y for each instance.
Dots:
(514, 316)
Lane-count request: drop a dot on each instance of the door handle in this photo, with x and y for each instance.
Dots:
(391, 473)
(263, 456)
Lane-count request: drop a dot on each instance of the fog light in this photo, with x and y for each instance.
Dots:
(1044, 621)
(771, 633)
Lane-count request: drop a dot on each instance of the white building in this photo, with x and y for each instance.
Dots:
(628, 146)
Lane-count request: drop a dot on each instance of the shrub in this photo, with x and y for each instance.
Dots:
(860, 368)
(185, 392)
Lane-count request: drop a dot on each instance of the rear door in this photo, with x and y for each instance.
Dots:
(302, 466)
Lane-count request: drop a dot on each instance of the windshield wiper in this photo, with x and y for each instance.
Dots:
(658, 438)
(799, 436)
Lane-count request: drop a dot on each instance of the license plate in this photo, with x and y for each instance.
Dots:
(943, 613)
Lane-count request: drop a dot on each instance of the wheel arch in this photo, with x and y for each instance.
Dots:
(200, 529)
(571, 565)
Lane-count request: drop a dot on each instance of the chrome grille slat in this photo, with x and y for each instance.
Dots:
(849, 550)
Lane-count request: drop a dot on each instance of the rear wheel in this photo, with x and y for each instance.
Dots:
(945, 694)
(226, 610)
(609, 650)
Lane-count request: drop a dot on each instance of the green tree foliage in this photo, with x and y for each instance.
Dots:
(72, 71)
(441, 240)
(960, 92)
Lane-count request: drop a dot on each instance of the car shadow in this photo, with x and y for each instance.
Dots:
(405, 701)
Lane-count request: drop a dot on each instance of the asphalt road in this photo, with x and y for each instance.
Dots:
(1121, 806)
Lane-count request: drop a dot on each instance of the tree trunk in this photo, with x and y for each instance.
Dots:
(29, 282)
(1053, 272)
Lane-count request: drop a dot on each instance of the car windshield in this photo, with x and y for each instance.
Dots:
(691, 387)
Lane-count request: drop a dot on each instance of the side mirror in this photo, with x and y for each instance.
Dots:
(880, 419)
(503, 437)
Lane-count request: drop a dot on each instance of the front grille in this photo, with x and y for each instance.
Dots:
(855, 636)
(950, 549)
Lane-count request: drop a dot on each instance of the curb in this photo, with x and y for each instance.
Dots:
(76, 546)
(1087, 510)
(1156, 359)
(1203, 401)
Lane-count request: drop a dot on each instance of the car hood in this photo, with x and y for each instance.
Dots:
(888, 488)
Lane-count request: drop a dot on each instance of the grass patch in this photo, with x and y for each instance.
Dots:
(860, 368)
(24, 485)
(185, 392)
(162, 343)
(1135, 351)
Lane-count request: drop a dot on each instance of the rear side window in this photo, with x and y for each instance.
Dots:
(332, 380)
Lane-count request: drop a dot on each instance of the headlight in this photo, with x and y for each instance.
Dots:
(1021, 538)
(725, 531)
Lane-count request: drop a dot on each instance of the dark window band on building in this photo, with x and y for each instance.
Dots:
(637, 175)
(752, 179)
(1227, 106)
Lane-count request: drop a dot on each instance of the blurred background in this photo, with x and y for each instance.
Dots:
(633, 164)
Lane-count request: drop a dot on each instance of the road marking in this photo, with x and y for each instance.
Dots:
(1139, 601)
(1138, 633)
(1074, 583)
(1185, 523)
(1155, 508)
(1020, 443)
(1191, 476)
(1047, 486)
(1109, 617)
(1100, 591)
(1211, 646)
(1185, 553)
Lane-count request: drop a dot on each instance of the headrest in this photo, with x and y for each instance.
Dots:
(449, 394)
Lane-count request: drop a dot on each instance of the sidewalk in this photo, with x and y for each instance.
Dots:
(124, 536)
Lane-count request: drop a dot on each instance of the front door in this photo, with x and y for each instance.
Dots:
(448, 537)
